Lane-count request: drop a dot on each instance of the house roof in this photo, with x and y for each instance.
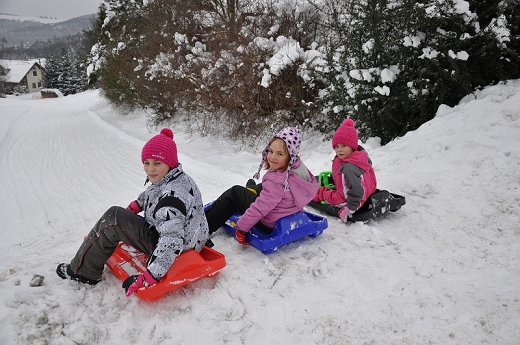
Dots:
(18, 69)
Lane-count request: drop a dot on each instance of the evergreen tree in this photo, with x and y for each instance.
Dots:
(63, 73)
(120, 41)
(51, 73)
(492, 51)
(390, 64)
(3, 69)
(95, 39)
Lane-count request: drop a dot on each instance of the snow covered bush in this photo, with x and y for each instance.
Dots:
(254, 65)
(245, 64)
(390, 64)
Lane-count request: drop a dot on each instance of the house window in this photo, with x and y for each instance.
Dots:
(33, 67)
(39, 84)
(34, 85)
(35, 73)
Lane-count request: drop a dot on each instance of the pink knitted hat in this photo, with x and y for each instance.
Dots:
(346, 134)
(162, 148)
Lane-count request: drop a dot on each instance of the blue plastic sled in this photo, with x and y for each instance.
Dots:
(288, 229)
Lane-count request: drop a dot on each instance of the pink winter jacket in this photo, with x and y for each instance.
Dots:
(355, 181)
(274, 202)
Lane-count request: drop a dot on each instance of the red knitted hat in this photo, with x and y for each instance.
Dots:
(346, 134)
(162, 148)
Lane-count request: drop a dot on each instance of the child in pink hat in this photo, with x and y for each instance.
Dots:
(352, 172)
(173, 221)
(286, 188)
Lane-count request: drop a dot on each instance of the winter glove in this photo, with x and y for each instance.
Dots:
(134, 207)
(135, 282)
(316, 198)
(319, 194)
(241, 237)
(345, 213)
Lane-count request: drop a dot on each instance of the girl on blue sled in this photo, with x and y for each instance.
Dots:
(352, 172)
(286, 188)
(173, 222)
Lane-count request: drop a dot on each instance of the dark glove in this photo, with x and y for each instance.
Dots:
(241, 237)
(134, 207)
(135, 282)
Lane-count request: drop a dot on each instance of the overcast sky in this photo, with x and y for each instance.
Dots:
(61, 9)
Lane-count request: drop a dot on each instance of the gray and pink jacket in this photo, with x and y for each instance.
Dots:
(355, 181)
(276, 201)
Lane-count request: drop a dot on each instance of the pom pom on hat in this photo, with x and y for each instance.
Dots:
(346, 134)
(162, 148)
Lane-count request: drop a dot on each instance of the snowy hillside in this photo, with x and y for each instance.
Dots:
(44, 20)
(17, 29)
(445, 269)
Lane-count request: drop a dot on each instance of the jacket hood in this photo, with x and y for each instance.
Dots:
(302, 183)
(359, 158)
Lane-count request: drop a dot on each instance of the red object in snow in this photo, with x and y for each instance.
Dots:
(187, 267)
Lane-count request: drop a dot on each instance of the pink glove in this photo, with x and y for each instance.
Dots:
(134, 207)
(241, 237)
(135, 282)
(345, 213)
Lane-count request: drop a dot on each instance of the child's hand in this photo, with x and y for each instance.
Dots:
(319, 194)
(134, 207)
(241, 237)
(345, 213)
(135, 282)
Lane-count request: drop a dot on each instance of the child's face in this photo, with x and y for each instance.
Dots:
(155, 170)
(277, 157)
(343, 151)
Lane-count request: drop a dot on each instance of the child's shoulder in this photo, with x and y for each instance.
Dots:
(273, 176)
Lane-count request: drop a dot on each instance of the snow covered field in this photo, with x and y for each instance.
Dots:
(46, 20)
(445, 269)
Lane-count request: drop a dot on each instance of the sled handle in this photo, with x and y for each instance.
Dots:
(324, 178)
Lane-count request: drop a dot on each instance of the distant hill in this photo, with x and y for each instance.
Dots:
(28, 30)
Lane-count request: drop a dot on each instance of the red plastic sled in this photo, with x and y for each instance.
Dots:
(187, 267)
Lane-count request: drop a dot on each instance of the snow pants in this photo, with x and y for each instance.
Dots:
(117, 224)
(235, 199)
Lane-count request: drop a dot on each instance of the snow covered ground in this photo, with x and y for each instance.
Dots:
(46, 20)
(445, 269)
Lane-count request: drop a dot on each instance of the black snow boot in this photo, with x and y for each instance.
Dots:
(65, 272)
(251, 183)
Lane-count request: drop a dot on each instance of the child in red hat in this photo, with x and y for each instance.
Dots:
(352, 172)
(173, 221)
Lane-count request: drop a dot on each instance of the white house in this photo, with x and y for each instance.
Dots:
(23, 74)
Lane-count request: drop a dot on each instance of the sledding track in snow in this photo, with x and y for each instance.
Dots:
(445, 269)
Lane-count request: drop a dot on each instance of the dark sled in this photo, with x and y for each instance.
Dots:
(377, 205)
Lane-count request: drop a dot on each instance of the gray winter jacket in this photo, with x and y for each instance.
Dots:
(174, 207)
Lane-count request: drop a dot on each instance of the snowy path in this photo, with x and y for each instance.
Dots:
(443, 270)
